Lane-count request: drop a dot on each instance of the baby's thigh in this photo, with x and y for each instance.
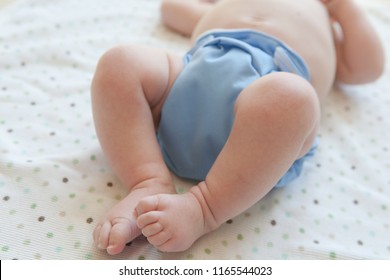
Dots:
(134, 69)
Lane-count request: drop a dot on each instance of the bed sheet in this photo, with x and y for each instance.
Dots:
(55, 183)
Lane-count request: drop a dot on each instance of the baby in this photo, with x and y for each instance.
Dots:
(239, 114)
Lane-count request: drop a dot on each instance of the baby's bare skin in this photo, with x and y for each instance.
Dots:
(172, 222)
(283, 19)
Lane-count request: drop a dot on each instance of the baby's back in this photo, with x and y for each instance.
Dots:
(301, 24)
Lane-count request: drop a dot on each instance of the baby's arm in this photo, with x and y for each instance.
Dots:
(183, 15)
(359, 51)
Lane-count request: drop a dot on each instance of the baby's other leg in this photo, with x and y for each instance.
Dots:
(128, 91)
(276, 120)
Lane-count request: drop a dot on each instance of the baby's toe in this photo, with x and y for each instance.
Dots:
(101, 235)
(152, 229)
(122, 232)
(148, 219)
(96, 233)
(147, 204)
(160, 238)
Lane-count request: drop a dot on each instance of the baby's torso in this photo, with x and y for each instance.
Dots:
(301, 24)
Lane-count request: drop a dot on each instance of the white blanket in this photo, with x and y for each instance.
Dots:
(55, 183)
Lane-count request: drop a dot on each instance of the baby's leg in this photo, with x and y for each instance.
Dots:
(128, 90)
(276, 122)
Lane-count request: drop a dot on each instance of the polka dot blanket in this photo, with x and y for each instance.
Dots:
(55, 182)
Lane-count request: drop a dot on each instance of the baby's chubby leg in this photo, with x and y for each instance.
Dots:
(276, 120)
(128, 90)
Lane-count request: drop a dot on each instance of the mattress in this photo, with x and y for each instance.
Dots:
(55, 182)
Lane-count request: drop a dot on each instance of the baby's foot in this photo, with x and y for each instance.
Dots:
(172, 223)
(119, 226)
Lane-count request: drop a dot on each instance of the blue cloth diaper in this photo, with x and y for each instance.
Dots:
(198, 114)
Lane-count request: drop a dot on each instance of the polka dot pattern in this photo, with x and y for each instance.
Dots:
(55, 183)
